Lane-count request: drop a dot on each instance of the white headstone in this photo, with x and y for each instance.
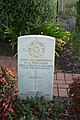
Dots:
(35, 66)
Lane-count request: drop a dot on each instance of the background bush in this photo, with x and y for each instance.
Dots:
(76, 37)
(70, 7)
(22, 14)
(78, 17)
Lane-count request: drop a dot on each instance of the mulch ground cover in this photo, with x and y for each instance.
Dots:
(67, 61)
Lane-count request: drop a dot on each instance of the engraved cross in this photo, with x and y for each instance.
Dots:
(36, 78)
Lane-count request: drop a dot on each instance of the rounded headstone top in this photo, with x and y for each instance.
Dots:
(36, 36)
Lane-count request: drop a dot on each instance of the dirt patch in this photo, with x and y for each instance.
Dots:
(6, 49)
(67, 62)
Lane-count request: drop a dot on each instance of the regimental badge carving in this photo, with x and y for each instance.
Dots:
(36, 49)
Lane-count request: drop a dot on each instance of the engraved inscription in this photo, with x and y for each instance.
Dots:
(36, 64)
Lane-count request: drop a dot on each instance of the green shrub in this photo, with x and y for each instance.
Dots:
(39, 109)
(75, 37)
(22, 14)
(78, 17)
(70, 7)
(50, 29)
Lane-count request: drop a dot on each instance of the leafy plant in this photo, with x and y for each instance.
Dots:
(38, 108)
(74, 94)
(7, 92)
(50, 29)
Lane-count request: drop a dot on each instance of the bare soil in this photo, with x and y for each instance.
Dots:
(67, 61)
(6, 49)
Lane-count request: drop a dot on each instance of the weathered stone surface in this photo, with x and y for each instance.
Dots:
(36, 66)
